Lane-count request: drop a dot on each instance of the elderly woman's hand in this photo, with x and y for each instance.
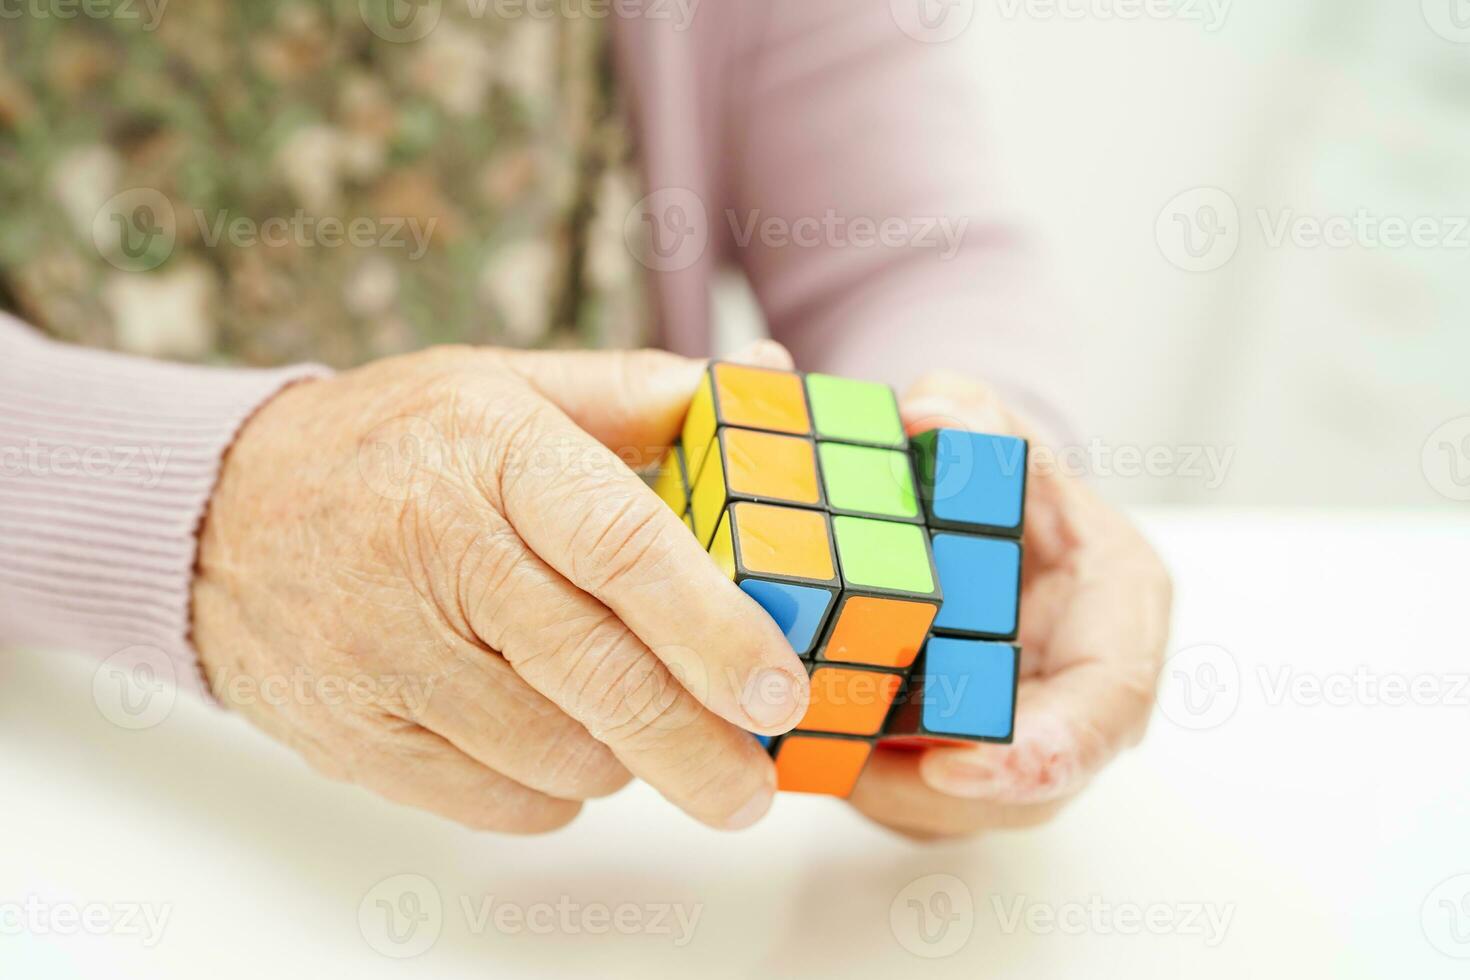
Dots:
(1095, 606)
(436, 577)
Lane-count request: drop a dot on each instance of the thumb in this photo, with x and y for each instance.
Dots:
(633, 402)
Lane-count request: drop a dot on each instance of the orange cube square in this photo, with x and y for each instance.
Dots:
(850, 700)
(760, 398)
(829, 764)
(879, 632)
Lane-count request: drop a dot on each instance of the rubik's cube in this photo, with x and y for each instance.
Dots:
(892, 565)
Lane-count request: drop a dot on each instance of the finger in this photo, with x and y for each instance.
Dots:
(943, 399)
(633, 402)
(410, 765)
(600, 526)
(575, 651)
(1092, 700)
(481, 706)
(892, 792)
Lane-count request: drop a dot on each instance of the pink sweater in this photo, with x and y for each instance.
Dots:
(836, 159)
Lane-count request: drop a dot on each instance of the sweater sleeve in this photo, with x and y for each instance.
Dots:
(106, 465)
(868, 214)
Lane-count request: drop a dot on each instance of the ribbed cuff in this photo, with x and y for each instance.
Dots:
(107, 464)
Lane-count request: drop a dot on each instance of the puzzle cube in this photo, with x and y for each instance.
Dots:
(890, 567)
(782, 558)
(890, 593)
(961, 691)
(829, 764)
(981, 579)
(762, 467)
(970, 481)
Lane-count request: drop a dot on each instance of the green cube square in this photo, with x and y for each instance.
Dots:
(884, 555)
(869, 482)
(845, 410)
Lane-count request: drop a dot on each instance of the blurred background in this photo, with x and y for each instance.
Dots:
(1259, 215)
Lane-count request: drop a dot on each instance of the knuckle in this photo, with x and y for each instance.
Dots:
(623, 538)
(642, 705)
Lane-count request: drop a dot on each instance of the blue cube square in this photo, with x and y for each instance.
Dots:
(799, 610)
(969, 688)
(970, 481)
(981, 581)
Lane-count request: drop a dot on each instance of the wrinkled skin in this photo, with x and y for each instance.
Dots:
(517, 622)
(1095, 603)
(433, 576)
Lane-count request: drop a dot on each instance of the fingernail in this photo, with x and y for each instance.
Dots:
(966, 779)
(771, 698)
(751, 811)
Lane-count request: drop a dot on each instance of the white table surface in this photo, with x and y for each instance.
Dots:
(1325, 832)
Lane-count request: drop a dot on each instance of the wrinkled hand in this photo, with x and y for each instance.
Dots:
(434, 577)
(1095, 606)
